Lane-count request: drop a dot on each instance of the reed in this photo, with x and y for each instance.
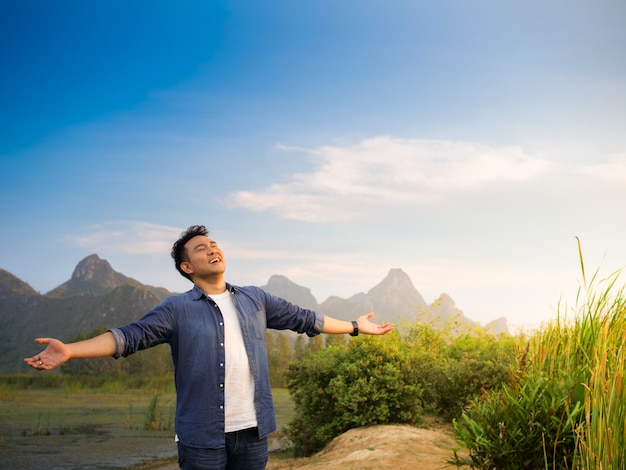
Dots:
(565, 405)
(602, 442)
(588, 352)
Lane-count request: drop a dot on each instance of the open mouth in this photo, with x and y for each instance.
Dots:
(215, 260)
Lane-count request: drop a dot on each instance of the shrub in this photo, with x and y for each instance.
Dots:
(475, 362)
(453, 370)
(340, 388)
(532, 425)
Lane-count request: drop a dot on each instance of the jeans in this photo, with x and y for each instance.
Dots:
(244, 451)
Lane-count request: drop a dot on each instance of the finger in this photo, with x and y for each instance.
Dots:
(32, 363)
(42, 340)
(366, 317)
(40, 365)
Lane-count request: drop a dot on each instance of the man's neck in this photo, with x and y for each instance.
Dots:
(211, 286)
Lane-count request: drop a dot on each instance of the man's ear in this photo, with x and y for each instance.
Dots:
(186, 267)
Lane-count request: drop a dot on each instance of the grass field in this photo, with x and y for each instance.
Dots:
(92, 428)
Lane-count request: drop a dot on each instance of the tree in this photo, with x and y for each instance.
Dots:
(279, 356)
(299, 348)
(340, 341)
(315, 344)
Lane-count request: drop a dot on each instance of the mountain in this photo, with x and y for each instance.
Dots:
(394, 299)
(95, 276)
(283, 287)
(11, 286)
(96, 296)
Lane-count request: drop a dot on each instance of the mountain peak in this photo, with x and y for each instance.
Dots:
(93, 268)
(394, 290)
(12, 286)
(92, 275)
(282, 286)
(397, 275)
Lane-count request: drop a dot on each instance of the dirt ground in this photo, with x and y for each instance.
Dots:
(399, 447)
(379, 447)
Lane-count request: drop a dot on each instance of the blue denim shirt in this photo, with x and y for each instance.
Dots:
(193, 326)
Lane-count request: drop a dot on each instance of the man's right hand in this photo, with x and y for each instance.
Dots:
(55, 354)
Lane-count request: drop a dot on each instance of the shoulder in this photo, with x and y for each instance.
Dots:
(178, 299)
(255, 295)
(251, 291)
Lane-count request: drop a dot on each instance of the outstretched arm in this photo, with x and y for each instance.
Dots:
(57, 352)
(366, 327)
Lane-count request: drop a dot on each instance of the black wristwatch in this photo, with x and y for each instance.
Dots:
(355, 331)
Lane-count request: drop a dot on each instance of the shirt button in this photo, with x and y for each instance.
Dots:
(221, 324)
(222, 344)
(221, 364)
(221, 385)
(221, 407)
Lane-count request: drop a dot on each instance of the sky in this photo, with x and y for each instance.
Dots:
(470, 144)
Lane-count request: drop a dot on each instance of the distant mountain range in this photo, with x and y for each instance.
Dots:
(394, 299)
(98, 296)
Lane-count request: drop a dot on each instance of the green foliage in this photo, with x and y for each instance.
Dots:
(475, 362)
(453, 370)
(299, 348)
(597, 343)
(339, 341)
(314, 344)
(279, 354)
(566, 406)
(392, 379)
(340, 388)
(528, 425)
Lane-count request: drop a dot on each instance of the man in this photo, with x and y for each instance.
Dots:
(217, 334)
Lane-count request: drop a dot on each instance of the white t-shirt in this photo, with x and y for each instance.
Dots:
(239, 386)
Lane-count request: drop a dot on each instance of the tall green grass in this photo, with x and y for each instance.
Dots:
(564, 406)
(589, 348)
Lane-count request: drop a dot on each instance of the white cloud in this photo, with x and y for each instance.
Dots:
(348, 180)
(128, 237)
(613, 170)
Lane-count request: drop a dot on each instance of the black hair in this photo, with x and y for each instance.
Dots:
(179, 254)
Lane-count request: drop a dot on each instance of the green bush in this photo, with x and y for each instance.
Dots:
(528, 425)
(393, 379)
(338, 388)
(453, 370)
(475, 362)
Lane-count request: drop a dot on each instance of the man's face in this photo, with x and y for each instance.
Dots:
(204, 257)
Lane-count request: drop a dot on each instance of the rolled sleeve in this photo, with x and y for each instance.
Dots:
(120, 342)
(318, 325)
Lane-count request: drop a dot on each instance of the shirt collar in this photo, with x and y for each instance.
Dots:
(198, 294)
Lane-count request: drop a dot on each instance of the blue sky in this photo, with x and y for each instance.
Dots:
(467, 143)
